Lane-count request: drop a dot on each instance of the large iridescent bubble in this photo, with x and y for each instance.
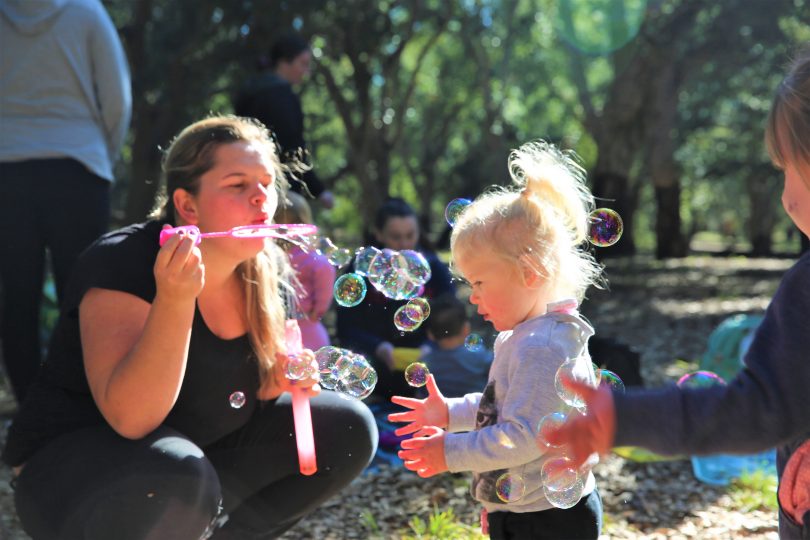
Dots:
(510, 487)
(362, 259)
(416, 374)
(359, 378)
(605, 227)
(579, 369)
(548, 423)
(350, 289)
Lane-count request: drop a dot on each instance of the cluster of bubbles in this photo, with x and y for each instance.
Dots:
(345, 371)
(563, 483)
(410, 316)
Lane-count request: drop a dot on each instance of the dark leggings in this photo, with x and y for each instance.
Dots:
(583, 521)
(56, 204)
(95, 484)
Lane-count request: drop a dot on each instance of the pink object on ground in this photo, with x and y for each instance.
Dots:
(302, 416)
(794, 486)
(275, 230)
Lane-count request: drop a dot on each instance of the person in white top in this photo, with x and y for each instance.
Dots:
(65, 107)
(520, 248)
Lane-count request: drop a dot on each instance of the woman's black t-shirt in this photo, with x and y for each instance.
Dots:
(60, 400)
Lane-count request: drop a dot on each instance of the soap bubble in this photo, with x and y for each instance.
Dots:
(340, 257)
(548, 423)
(597, 27)
(327, 358)
(299, 368)
(416, 374)
(359, 378)
(416, 267)
(565, 498)
(606, 227)
(404, 322)
(237, 400)
(474, 343)
(454, 209)
(422, 304)
(362, 259)
(700, 379)
(510, 487)
(578, 369)
(611, 380)
(558, 473)
(350, 289)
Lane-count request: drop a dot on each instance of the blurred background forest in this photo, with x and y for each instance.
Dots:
(664, 100)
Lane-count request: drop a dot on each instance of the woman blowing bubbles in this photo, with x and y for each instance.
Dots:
(162, 397)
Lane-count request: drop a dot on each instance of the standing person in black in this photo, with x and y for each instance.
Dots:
(269, 97)
(162, 410)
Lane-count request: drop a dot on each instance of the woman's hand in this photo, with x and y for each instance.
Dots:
(431, 411)
(424, 452)
(282, 383)
(179, 270)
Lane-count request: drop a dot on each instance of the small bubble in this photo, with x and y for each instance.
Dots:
(474, 343)
(606, 227)
(416, 374)
(454, 209)
(237, 400)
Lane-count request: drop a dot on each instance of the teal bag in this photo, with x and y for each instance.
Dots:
(728, 344)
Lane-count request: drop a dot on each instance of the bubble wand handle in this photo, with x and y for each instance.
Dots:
(302, 416)
(274, 230)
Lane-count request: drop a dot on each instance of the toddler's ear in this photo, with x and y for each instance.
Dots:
(531, 274)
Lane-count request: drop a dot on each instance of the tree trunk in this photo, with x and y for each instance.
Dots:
(669, 239)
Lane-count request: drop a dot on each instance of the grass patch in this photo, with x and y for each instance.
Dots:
(754, 491)
(441, 526)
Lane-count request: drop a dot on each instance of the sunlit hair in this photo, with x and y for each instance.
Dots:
(539, 223)
(191, 155)
(787, 135)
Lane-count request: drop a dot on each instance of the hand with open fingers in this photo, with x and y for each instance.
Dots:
(431, 411)
(594, 431)
(179, 271)
(424, 452)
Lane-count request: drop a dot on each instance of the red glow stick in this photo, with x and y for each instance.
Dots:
(274, 230)
(302, 416)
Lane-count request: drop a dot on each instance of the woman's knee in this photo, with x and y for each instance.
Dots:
(345, 429)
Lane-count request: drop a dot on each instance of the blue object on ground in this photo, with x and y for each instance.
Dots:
(720, 469)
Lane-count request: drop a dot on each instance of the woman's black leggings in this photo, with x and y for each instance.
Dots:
(95, 484)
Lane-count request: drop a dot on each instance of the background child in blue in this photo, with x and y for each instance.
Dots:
(458, 369)
(520, 250)
(768, 402)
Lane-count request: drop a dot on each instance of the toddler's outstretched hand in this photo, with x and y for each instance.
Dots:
(589, 433)
(424, 452)
(431, 411)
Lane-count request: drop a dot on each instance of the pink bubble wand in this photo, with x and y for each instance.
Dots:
(274, 230)
(302, 416)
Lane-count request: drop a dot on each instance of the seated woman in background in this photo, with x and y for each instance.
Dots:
(162, 409)
(368, 328)
(316, 277)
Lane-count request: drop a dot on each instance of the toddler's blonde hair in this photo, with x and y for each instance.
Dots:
(539, 223)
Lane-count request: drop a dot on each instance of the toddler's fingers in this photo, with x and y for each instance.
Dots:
(412, 444)
(413, 465)
(432, 387)
(411, 403)
(427, 472)
(406, 430)
(583, 390)
(406, 416)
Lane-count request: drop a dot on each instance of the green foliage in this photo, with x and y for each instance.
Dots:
(442, 526)
(755, 491)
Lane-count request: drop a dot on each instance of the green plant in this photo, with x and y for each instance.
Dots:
(442, 526)
(754, 490)
(369, 522)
